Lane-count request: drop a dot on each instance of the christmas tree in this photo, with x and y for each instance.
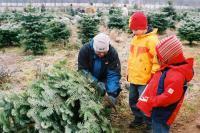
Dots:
(190, 29)
(88, 28)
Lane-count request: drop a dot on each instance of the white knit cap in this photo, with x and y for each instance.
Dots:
(101, 42)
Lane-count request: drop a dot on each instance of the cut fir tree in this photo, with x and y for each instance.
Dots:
(62, 101)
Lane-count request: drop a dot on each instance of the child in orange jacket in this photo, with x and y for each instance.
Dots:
(141, 63)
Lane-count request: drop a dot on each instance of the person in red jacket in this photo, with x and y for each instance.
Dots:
(163, 96)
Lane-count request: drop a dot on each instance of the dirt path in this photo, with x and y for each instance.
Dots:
(25, 69)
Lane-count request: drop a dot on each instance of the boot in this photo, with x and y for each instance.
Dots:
(138, 122)
(111, 101)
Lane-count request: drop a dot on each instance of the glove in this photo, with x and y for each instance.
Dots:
(101, 88)
(113, 100)
(92, 80)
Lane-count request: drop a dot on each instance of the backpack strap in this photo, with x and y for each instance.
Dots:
(161, 82)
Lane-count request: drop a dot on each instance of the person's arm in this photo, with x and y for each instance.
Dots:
(172, 92)
(83, 64)
(83, 59)
(114, 75)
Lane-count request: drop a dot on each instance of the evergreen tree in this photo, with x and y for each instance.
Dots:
(170, 11)
(159, 20)
(88, 28)
(128, 30)
(33, 32)
(13, 113)
(10, 17)
(190, 29)
(62, 101)
(5, 17)
(116, 20)
(43, 8)
(9, 35)
(57, 31)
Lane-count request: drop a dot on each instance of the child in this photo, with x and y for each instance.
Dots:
(141, 63)
(164, 94)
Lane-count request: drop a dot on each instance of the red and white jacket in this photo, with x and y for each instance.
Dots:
(173, 89)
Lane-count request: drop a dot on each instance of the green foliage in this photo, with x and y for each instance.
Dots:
(88, 28)
(112, 10)
(99, 13)
(33, 36)
(159, 20)
(61, 101)
(170, 11)
(10, 17)
(13, 109)
(9, 35)
(17, 16)
(5, 17)
(43, 8)
(71, 11)
(116, 20)
(128, 30)
(181, 15)
(4, 78)
(6, 86)
(136, 7)
(57, 31)
(190, 29)
(29, 58)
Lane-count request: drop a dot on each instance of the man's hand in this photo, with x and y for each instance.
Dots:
(101, 88)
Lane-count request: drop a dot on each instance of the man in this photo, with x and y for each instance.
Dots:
(125, 11)
(100, 60)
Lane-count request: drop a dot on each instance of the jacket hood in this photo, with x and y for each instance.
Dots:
(149, 32)
(186, 69)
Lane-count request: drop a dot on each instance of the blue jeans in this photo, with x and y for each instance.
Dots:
(134, 93)
(159, 127)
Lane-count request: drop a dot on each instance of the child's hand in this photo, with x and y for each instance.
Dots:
(145, 105)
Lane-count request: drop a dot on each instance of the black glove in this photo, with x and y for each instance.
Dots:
(101, 88)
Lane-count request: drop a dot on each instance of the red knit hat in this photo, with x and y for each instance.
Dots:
(138, 21)
(169, 50)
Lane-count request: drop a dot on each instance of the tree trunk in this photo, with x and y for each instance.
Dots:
(190, 42)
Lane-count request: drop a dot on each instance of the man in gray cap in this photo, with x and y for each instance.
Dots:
(100, 61)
